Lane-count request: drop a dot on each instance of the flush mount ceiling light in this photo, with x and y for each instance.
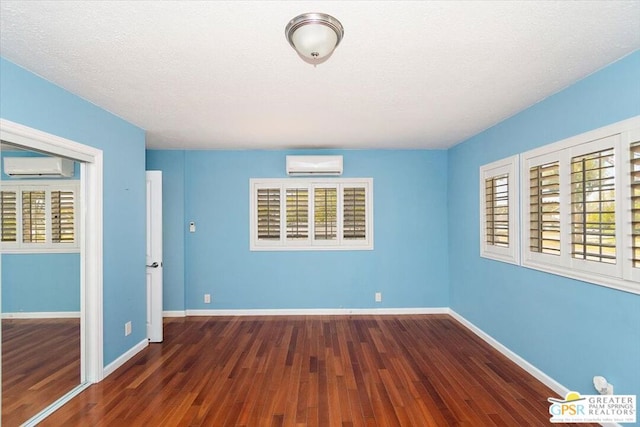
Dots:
(314, 36)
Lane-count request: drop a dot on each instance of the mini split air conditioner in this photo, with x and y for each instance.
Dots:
(314, 165)
(38, 167)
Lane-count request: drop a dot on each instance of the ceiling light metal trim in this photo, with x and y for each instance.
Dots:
(314, 18)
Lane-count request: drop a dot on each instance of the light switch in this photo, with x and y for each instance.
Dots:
(192, 227)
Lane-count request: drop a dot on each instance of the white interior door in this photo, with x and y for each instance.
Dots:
(154, 256)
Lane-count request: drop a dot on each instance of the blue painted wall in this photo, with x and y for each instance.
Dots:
(569, 329)
(408, 263)
(32, 101)
(40, 282)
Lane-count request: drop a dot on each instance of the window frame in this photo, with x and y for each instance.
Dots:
(48, 186)
(310, 243)
(511, 253)
(621, 275)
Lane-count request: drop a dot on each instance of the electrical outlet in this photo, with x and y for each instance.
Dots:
(378, 296)
(127, 328)
(207, 298)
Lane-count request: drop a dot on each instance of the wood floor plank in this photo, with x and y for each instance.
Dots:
(356, 371)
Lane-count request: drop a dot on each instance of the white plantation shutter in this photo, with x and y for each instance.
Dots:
(354, 223)
(268, 214)
(635, 203)
(593, 204)
(34, 217)
(8, 208)
(325, 213)
(497, 210)
(297, 213)
(62, 217)
(544, 208)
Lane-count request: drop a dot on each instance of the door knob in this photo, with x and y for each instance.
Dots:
(154, 265)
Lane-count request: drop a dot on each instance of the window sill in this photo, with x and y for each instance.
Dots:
(26, 251)
(312, 248)
(606, 281)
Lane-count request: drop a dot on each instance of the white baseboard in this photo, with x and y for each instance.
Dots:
(318, 311)
(537, 373)
(174, 313)
(124, 358)
(42, 315)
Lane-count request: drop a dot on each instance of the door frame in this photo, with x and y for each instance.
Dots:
(91, 237)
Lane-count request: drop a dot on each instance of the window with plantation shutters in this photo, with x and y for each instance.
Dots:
(544, 208)
(39, 216)
(499, 209)
(582, 206)
(311, 214)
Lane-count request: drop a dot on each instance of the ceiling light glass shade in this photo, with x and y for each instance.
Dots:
(314, 35)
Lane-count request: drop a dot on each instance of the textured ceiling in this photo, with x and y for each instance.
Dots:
(406, 75)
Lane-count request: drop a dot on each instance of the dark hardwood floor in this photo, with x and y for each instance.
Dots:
(40, 363)
(313, 371)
